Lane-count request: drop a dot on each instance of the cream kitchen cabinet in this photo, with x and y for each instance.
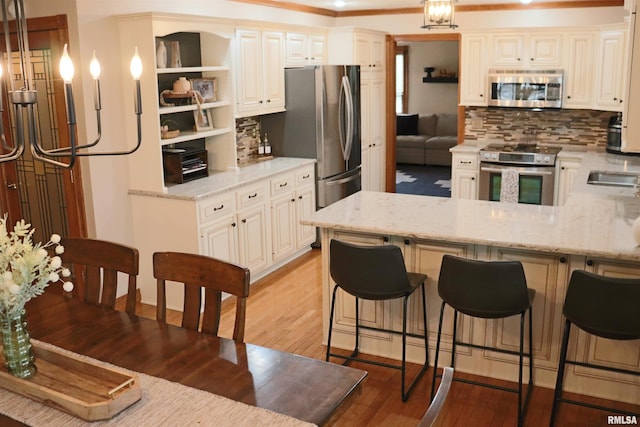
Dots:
(260, 72)
(369, 49)
(566, 170)
(305, 49)
(372, 91)
(579, 76)
(220, 239)
(527, 50)
(610, 69)
(253, 231)
(464, 176)
(293, 197)
(473, 70)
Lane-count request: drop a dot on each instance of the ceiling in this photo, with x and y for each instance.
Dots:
(352, 5)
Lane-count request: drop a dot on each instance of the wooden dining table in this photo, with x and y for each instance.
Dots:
(307, 389)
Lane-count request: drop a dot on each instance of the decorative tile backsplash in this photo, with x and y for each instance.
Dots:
(247, 139)
(570, 127)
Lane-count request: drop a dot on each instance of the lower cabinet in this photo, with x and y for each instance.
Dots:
(220, 239)
(253, 238)
(566, 170)
(464, 176)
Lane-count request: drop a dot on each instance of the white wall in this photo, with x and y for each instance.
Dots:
(432, 97)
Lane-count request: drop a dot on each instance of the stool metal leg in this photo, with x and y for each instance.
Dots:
(453, 347)
(333, 303)
(559, 380)
(435, 361)
(521, 368)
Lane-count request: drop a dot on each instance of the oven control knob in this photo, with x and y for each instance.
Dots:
(547, 159)
(538, 159)
(494, 156)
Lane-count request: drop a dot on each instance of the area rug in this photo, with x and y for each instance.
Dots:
(423, 180)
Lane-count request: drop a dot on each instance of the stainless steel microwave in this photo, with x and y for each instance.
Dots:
(525, 88)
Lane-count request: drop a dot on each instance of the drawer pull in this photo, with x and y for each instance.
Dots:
(251, 196)
(284, 184)
(306, 176)
(219, 208)
(465, 162)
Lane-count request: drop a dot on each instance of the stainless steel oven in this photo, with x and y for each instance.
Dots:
(534, 166)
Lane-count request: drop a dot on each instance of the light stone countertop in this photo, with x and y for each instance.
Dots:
(596, 221)
(219, 182)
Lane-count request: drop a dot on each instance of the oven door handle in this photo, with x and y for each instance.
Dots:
(497, 170)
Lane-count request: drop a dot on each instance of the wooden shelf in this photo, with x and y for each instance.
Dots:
(182, 165)
(185, 70)
(440, 80)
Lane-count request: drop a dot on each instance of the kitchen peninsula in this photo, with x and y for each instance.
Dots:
(592, 231)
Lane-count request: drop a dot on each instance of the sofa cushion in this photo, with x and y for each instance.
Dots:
(447, 125)
(407, 124)
(411, 141)
(427, 124)
(441, 142)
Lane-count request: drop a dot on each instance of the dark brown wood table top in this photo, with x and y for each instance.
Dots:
(303, 388)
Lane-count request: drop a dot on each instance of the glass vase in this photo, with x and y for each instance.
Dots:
(16, 346)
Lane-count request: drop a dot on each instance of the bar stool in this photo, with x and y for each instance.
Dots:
(606, 307)
(488, 290)
(376, 273)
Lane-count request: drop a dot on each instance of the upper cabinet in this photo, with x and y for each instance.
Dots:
(610, 74)
(527, 50)
(354, 46)
(305, 49)
(198, 53)
(260, 72)
(579, 75)
(473, 70)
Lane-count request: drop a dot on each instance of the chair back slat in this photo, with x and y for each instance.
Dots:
(96, 264)
(202, 272)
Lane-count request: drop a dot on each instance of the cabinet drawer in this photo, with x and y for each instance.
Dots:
(251, 195)
(282, 184)
(214, 208)
(304, 177)
(466, 162)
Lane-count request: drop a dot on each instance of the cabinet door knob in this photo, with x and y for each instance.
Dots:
(233, 224)
(563, 260)
(473, 178)
(244, 220)
(407, 241)
(300, 197)
(385, 239)
(589, 262)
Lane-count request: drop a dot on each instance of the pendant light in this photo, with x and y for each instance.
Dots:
(438, 14)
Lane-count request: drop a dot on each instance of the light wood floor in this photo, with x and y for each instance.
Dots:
(284, 313)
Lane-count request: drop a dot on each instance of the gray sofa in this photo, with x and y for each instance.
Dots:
(425, 139)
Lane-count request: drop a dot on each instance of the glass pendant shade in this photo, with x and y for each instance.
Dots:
(438, 14)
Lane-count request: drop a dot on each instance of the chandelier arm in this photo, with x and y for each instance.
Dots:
(36, 149)
(65, 151)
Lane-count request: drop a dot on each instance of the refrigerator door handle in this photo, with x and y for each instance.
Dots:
(351, 175)
(345, 114)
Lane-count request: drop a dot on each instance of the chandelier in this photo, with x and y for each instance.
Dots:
(438, 14)
(24, 100)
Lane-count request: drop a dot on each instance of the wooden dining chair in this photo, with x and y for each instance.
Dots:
(95, 265)
(430, 417)
(198, 272)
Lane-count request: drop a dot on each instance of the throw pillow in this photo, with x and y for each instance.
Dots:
(407, 124)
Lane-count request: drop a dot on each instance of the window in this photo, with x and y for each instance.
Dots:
(402, 71)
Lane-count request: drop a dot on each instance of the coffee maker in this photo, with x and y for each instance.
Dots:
(614, 134)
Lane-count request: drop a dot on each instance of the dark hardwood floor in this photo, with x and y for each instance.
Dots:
(285, 312)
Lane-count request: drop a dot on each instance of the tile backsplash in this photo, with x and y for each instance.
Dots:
(570, 127)
(247, 139)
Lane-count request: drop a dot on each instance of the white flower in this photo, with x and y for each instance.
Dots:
(67, 286)
(55, 238)
(41, 254)
(56, 262)
(14, 289)
(66, 272)
(59, 249)
(54, 277)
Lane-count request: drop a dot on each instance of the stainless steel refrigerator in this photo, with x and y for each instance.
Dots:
(322, 121)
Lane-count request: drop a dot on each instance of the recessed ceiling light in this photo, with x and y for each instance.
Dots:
(340, 3)
(525, 1)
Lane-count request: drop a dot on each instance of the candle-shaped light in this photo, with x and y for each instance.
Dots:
(136, 72)
(94, 69)
(66, 71)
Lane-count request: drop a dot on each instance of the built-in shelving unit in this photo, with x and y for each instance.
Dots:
(439, 80)
(204, 47)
